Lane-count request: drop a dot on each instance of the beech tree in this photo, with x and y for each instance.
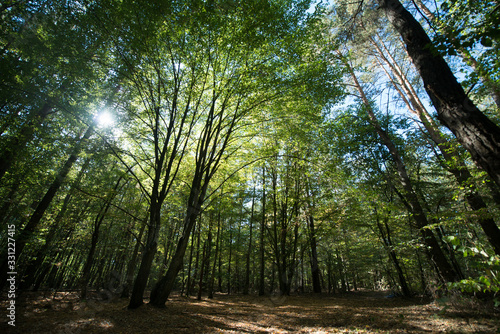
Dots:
(245, 154)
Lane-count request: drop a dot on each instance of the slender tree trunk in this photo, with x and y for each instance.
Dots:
(262, 233)
(31, 226)
(204, 260)
(217, 241)
(249, 251)
(436, 254)
(478, 134)
(197, 262)
(41, 254)
(315, 272)
(230, 259)
(190, 265)
(455, 163)
(133, 260)
(95, 238)
(395, 261)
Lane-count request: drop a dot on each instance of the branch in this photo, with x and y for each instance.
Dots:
(104, 199)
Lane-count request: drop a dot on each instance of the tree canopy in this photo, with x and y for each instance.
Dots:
(252, 147)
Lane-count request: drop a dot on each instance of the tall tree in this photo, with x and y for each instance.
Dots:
(476, 132)
(32, 224)
(435, 252)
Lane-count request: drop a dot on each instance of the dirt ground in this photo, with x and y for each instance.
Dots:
(361, 312)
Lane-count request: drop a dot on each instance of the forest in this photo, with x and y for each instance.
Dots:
(163, 153)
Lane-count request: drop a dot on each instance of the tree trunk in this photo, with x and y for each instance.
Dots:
(478, 134)
(197, 262)
(205, 258)
(141, 280)
(262, 233)
(31, 226)
(217, 241)
(230, 259)
(95, 238)
(249, 251)
(386, 238)
(455, 163)
(435, 252)
(133, 261)
(190, 265)
(315, 272)
(41, 254)
(163, 287)
(489, 83)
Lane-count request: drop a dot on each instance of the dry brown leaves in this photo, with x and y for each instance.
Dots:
(63, 312)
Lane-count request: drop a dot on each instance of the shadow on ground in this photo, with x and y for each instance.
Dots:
(365, 312)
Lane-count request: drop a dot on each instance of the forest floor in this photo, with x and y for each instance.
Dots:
(359, 312)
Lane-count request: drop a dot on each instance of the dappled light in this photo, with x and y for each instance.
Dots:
(358, 312)
(259, 166)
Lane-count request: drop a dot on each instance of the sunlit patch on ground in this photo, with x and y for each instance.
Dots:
(352, 313)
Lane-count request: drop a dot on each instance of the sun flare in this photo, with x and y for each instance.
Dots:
(105, 119)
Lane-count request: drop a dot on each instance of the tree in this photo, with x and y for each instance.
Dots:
(476, 132)
(411, 198)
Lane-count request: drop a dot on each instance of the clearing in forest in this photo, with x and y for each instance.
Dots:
(361, 312)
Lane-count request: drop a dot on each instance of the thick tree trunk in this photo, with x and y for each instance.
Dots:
(163, 287)
(455, 163)
(478, 134)
(141, 281)
(489, 83)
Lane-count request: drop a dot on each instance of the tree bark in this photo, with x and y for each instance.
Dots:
(478, 134)
(136, 298)
(489, 83)
(386, 238)
(133, 261)
(164, 286)
(315, 272)
(217, 241)
(456, 165)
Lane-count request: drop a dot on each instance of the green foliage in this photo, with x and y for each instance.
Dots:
(486, 278)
